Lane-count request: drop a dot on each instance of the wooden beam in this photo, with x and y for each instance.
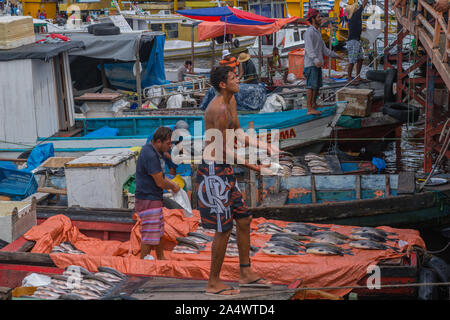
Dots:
(52, 190)
(26, 258)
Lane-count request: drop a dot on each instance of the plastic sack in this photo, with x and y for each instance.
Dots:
(175, 102)
(38, 155)
(274, 103)
(36, 280)
(182, 199)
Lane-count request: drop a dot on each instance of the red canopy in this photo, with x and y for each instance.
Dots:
(207, 30)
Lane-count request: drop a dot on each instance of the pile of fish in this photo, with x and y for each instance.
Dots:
(371, 239)
(77, 283)
(193, 243)
(299, 169)
(317, 163)
(302, 238)
(66, 247)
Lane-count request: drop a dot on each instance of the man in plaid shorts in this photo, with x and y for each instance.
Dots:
(355, 54)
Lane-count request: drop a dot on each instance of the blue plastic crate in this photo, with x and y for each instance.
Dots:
(17, 184)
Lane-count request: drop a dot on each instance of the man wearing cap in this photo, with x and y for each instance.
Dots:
(355, 54)
(247, 69)
(150, 183)
(315, 49)
(228, 60)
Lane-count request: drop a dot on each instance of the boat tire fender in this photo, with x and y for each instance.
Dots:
(401, 111)
(427, 275)
(376, 75)
(236, 43)
(106, 31)
(391, 77)
(440, 267)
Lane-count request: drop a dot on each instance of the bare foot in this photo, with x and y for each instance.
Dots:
(221, 288)
(313, 112)
(161, 258)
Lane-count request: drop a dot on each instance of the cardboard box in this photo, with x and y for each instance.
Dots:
(359, 101)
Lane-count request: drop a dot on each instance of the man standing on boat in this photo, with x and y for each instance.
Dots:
(247, 69)
(355, 54)
(230, 61)
(184, 69)
(219, 198)
(150, 183)
(315, 49)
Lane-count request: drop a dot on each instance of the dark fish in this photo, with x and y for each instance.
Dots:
(327, 238)
(286, 239)
(370, 236)
(71, 296)
(332, 246)
(282, 244)
(302, 231)
(306, 225)
(282, 251)
(324, 250)
(374, 230)
(189, 243)
(371, 245)
(200, 235)
(293, 236)
(333, 233)
(112, 271)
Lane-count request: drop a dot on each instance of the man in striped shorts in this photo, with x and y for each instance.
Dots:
(150, 183)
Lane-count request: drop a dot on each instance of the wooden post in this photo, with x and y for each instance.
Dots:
(331, 44)
(138, 74)
(428, 143)
(386, 32)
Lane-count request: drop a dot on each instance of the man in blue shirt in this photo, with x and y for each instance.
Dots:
(150, 183)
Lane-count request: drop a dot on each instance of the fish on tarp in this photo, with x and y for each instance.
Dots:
(324, 250)
(109, 277)
(293, 236)
(327, 238)
(280, 251)
(200, 235)
(369, 236)
(371, 245)
(275, 243)
(305, 225)
(190, 242)
(286, 239)
(266, 225)
(332, 233)
(184, 249)
(301, 231)
(374, 230)
(331, 246)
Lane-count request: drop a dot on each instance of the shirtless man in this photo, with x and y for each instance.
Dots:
(219, 198)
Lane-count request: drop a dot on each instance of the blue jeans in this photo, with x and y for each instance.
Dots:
(313, 77)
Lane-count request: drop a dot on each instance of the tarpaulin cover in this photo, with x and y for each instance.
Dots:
(41, 51)
(250, 97)
(208, 30)
(313, 270)
(38, 155)
(222, 13)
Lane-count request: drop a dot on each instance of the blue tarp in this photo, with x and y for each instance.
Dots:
(38, 155)
(250, 97)
(103, 132)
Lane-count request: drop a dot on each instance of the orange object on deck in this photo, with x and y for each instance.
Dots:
(313, 270)
(296, 60)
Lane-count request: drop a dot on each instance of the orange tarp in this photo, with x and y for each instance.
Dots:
(313, 270)
(207, 29)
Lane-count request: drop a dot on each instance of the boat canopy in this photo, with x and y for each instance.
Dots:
(226, 20)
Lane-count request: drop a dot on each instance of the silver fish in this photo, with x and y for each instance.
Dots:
(324, 250)
(319, 169)
(301, 231)
(331, 246)
(317, 163)
(185, 249)
(200, 235)
(108, 276)
(270, 225)
(332, 233)
(327, 239)
(274, 250)
(306, 225)
(85, 294)
(288, 240)
(111, 271)
(78, 269)
(370, 245)
(374, 230)
(189, 242)
(369, 236)
(313, 156)
(293, 236)
(283, 244)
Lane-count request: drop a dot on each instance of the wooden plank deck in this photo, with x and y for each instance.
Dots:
(162, 288)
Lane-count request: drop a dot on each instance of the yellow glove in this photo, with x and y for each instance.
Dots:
(179, 181)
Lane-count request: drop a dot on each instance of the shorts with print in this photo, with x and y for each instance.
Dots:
(313, 77)
(219, 197)
(354, 51)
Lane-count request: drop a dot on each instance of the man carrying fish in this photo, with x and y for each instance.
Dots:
(219, 198)
(150, 183)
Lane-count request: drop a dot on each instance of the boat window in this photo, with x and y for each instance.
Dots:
(156, 27)
(296, 36)
(302, 35)
(171, 30)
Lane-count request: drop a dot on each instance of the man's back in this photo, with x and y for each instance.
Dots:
(355, 25)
